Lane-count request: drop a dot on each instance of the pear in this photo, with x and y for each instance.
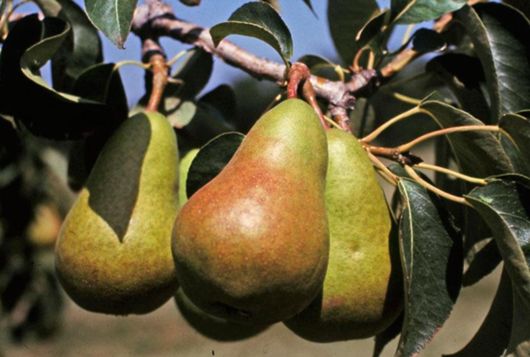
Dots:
(362, 288)
(113, 253)
(184, 167)
(252, 244)
(213, 327)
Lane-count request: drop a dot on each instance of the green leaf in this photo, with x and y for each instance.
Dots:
(483, 262)
(518, 127)
(425, 40)
(463, 74)
(309, 5)
(27, 97)
(521, 5)
(321, 66)
(504, 205)
(258, 20)
(431, 260)
(182, 114)
(500, 37)
(345, 19)
(211, 159)
(82, 47)
(478, 153)
(112, 17)
(414, 11)
(493, 336)
(194, 72)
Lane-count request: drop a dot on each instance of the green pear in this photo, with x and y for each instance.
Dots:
(213, 327)
(184, 167)
(113, 254)
(362, 289)
(252, 244)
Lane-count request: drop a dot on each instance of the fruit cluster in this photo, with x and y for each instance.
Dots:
(295, 228)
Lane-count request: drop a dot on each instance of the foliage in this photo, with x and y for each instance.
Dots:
(475, 98)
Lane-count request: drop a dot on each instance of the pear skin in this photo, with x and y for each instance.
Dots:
(113, 254)
(361, 295)
(213, 327)
(252, 245)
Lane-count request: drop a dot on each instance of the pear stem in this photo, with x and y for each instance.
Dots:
(456, 129)
(433, 188)
(406, 114)
(436, 168)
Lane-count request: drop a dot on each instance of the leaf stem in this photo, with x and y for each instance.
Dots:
(380, 166)
(374, 134)
(433, 188)
(456, 129)
(436, 168)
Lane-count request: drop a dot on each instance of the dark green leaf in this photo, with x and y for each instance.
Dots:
(500, 37)
(194, 72)
(518, 127)
(425, 40)
(211, 159)
(28, 98)
(463, 74)
(483, 262)
(478, 153)
(493, 335)
(223, 99)
(431, 260)
(345, 19)
(80, 50)
(258, 20)
(505, 207)
(375, 29)
(414, 11)
(112, 17)
(521, 5)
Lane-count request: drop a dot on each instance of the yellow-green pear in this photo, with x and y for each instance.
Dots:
(361, 295)
(113, 254)
(252, 244)
(184, 167)
(214, 327)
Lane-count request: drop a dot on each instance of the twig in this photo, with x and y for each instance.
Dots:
(161, 21)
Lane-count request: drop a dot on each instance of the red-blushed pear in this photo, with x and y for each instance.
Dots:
(113, 254)
(252, 244)
(361, 295)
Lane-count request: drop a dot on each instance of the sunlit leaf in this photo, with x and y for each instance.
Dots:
(414, 11)
(258, 20)
(112, 17)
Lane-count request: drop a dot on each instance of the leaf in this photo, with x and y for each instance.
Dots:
(431, 260)
(309, 5)
(211, 159)
(483, 262)
(500, 37)
(345, 19)
(518, 127)
(28, 98)
(505, 207)
(258, 20)
(81, 49)
(322, 67)
(415, 11)
(521, 5)
(493, 335)
(463, 74)
(425, 40)
(478, 153)
(191, 2)
(194, 72)
(384, 337)
(112, 17)
(182, 115)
